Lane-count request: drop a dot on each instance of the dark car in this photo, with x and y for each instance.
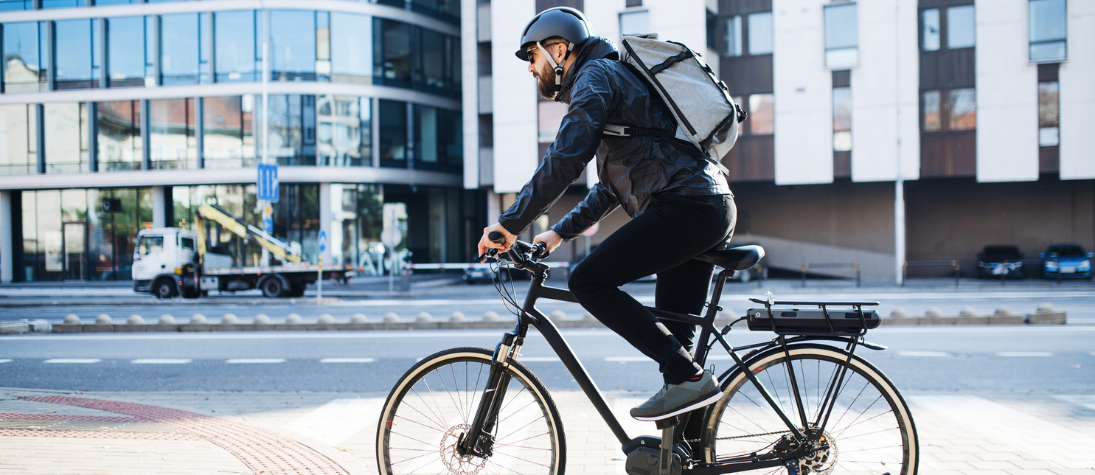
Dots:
(1000, 260)
(1066, 261)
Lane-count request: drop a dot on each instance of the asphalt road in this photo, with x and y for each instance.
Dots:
(999, 359)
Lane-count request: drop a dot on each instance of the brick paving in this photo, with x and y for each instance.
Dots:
(164, 433)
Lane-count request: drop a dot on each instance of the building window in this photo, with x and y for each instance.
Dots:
(760, 33)
(292, 129)
(344, 131)
(1048, 30)
(18, 139)
(392, 53)
(234, 39)
(393, 133)
(712, 38)
(11, 5)
(24, 70)
(125, 51)
(962, 109)
(439, 62)
(351, 47)
(77, 57)
(1048, 114)
(179, 49)
(228, 140)
(119, 140)
(930, 29)
(960, 27)
(932, 115)
(841, 36)
(171, 132)
(66, 137)
(550, 117)
(634, 23)
(323, 46)
(444, 9)
(438, 139)
(63, 3)
(733, 36)
(293, 45)
(761, 114)
(842, 119)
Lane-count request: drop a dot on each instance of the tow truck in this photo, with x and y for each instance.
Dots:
(171, 262)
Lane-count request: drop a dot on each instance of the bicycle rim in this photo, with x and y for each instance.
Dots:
(434, 403)
(869, 430)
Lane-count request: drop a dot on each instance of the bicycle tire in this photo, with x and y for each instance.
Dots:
(430, 431)
(880, 435)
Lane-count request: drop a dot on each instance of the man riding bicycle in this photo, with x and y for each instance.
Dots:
(679, 203)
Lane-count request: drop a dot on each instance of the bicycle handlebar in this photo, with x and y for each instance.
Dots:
(525, 256)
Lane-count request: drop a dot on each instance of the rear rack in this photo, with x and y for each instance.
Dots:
(791, 324)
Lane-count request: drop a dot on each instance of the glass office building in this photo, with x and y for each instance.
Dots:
(120, 115)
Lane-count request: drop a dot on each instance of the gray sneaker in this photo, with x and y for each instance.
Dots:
(676, 399)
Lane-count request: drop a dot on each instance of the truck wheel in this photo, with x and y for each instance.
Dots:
(297, 289)
(272, 287)
(163, 289)
(190, 293)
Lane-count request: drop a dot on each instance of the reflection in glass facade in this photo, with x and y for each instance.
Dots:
(18, 139)
(237, 58)
(119, 138)
(171, 128)
(344, 131)
(229, 140)
(21, 57)
(179, 48)
(67, 131)
(438, 139)
(392, 58)
(293, 45)
(12, 5)
(351, 48)
(77, 58)
(393, 133)
(125, 51)
(292, 138)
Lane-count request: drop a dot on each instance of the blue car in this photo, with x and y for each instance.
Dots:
(1066, 261)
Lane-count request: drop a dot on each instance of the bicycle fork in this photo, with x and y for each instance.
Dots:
(478, 441)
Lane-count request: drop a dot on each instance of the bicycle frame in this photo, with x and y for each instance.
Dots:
(512, 341)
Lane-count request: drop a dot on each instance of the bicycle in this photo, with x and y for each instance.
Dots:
(803, 402)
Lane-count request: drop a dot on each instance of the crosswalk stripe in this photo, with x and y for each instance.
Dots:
(72, 360)
(1024, 354)
(161, 361)
(926, 354)
(347, 360)
(5, 361)
(255, 360)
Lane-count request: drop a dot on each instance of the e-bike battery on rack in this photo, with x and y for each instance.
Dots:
(820, 321)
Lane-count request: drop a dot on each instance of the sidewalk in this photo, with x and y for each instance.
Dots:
(164, 433)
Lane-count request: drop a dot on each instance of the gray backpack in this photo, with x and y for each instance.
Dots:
(707, 117)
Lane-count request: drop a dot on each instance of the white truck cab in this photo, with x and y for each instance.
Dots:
(160, 257)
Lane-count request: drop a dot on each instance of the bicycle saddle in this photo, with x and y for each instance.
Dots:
(736, 258)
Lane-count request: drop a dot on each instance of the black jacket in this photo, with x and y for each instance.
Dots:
(601, 90)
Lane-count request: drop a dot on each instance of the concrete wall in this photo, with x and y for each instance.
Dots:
(469, 75)
(1077, 99)
(1007, 98)
(514, 98)
(956, 218)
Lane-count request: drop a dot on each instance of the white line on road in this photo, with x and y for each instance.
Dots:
(626, 359)
(1024, 354)
(255, 360)
(5, 361)
(347, 360)
(73, 360)
(923, 354)
(161, 361)
(539, 359)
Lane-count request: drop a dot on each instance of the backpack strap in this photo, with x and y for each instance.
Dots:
(617, 130)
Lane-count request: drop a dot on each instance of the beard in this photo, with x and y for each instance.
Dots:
(546, 82)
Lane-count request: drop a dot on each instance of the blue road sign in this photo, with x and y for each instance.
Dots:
(268, 182)
(268, 225)
(322, 241)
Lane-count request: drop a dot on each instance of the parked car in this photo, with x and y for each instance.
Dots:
(1000, 260)
(1068, 261)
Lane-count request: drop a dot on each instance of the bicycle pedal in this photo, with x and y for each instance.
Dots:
(667, 422)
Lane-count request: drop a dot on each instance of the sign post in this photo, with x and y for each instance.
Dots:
(267, 184)
(319, 280)
(391, 237)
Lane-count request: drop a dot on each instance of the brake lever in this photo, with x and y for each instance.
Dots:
(540, 252)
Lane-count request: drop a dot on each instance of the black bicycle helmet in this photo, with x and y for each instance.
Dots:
(564, 22)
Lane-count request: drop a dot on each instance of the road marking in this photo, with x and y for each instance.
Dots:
(339, 420)
(924, 354)
(255, 360)
(626, 359)
(160, 361)
(347, 360)
(720, 358)
(5, 361)
(539, 359)
(1024, 354)
(73, 360)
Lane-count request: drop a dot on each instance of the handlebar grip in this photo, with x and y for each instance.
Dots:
(497, 237)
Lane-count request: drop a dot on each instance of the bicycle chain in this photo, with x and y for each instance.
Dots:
(696, 441)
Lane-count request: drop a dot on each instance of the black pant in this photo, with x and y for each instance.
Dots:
(662, 240)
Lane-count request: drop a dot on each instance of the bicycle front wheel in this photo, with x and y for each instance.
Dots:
(434, 403)
(868, 431)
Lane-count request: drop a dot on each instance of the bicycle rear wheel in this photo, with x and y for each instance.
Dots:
(869, 430)
(434, 403)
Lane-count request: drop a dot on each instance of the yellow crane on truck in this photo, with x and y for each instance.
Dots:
(173, 261)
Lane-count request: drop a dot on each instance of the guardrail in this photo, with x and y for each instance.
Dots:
(938, 263)
(833, 265)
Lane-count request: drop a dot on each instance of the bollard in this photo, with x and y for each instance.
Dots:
(899, 313)
(968, 312)
(558, 315)
(198, 319)
(103, 319)
(262, 319)
(490, 316)
(933, 312)
(135, 320)
(293, 319)
(326, 319)
(457, 317)
(72, 319)
(391, 317)
(424, 317)
(229, 319)
(166, 319)
(358, 318)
